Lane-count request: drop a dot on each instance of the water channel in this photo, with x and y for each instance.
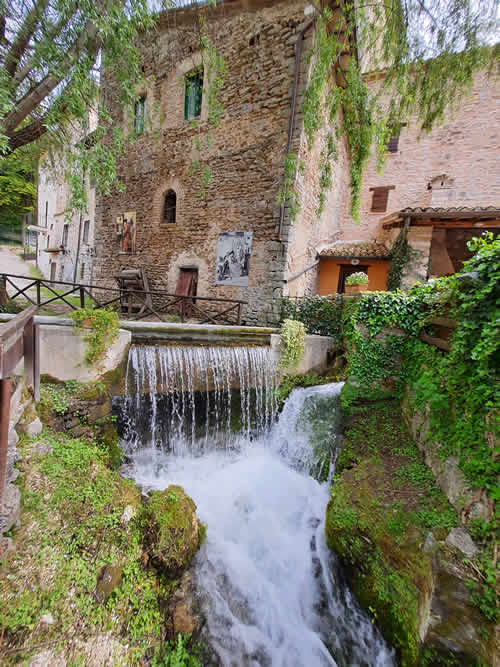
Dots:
(270, 590)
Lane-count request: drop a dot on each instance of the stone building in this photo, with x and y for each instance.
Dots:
(236, 241)
(440, 188)
(65, 251)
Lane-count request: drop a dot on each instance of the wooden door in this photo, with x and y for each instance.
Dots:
(187, 285)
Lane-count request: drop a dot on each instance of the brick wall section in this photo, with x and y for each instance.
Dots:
(466, 148)
(245, 156)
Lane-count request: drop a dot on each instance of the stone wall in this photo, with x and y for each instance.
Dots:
(465, 149)
(23, 419)
(245, 155)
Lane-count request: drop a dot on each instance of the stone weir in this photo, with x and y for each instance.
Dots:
(208, 334)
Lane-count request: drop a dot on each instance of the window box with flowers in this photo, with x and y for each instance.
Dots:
(356, 282)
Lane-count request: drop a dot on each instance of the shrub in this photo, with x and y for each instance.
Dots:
(293, 344)
(101, 327)
(320, 315)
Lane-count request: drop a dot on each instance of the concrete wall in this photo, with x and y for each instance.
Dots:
(318, 354)
(62, 354)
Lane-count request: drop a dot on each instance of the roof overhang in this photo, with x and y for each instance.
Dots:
(444, 218)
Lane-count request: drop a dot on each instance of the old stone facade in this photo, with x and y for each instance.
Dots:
(65, 250)
(445, 182)
(245, 158)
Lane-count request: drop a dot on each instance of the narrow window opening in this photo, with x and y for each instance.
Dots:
(65, 235)
(193, 94)
(139, 115)
(393, 143)
(169, 208)
(82, 271)
(86, 226)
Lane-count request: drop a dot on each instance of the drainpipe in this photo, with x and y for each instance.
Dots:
(291, 118)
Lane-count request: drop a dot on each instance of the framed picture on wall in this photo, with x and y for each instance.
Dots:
(129, 230)
(233, 258)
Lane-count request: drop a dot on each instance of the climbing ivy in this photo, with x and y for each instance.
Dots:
(400, 256)
(320, 315)
(101, 328)
(459, 390)
(293, 341)
(287, 195)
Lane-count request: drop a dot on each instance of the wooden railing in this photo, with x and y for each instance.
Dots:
(131, 304)
(19, 339)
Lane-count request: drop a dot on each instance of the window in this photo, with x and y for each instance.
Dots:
(193, 94)
(139, 115)
(380, 198)
(46, 212)
(86, 226)
(169, 208)
(393, 143)
(65, 235)
(82, 271)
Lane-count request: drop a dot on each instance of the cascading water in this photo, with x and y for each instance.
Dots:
(271, 591)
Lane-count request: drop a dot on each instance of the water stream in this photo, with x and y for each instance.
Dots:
(271, 591)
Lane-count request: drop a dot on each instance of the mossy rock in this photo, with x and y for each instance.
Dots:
(109, 438)
(171, 530)
(390, 580)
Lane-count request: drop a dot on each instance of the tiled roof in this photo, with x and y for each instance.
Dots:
(449, 211)
(364, 249)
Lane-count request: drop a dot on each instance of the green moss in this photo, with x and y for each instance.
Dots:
(171, 529)
(383, 503)
(109, 439)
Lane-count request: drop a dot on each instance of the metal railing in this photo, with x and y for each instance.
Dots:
(131, 304)
(19, 339)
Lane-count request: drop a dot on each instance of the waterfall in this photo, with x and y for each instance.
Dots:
(190, 398)
(269, 588)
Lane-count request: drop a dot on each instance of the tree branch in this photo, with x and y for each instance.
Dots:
(24, 107)
(25, 33)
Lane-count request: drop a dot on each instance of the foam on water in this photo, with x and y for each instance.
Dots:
(271, 591)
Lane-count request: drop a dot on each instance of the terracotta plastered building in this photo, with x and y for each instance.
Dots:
(236, 241)
(439, 188)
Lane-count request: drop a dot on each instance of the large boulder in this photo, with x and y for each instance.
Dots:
(171, 530)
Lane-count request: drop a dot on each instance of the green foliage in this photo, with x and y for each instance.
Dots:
(177, 656)
(17, 188)
(459, 390)
(101, 328)
(383, 503)
(290, 382)
(287, 195)
(328, 154)
(400, 256)
(292, 347)
(359, 278)
(320, 315)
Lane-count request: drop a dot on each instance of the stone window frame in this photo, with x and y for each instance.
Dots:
(169, 209)
(172, 95)
(140, 120)
(158, 208)
(196, 74)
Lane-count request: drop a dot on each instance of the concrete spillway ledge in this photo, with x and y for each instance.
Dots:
(158, 332)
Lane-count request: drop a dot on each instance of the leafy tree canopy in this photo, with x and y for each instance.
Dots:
(17, 188)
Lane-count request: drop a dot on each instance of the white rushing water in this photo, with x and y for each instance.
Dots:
(270, 589)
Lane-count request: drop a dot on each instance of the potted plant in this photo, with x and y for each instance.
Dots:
(356, 282)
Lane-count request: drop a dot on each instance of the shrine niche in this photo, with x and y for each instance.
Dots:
(126, 229)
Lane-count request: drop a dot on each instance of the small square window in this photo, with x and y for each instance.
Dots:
(193, 94)
(139, 115)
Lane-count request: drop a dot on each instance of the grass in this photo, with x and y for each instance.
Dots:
(71, 528)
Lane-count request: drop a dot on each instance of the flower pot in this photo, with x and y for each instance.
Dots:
(354, 289)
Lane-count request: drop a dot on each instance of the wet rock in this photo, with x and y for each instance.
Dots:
(185, 618)
(171, 530)
(41, 448)
(128, 513)
(109, 579)
(47, 659)
(458, 538)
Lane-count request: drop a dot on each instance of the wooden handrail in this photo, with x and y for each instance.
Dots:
(19, 339)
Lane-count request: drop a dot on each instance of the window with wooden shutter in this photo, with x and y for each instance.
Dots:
(393, 143)
(193, 94)
(380, 198)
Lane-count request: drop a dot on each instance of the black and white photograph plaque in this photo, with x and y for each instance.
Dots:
(233, 258)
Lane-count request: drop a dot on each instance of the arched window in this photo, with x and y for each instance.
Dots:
(169, 207)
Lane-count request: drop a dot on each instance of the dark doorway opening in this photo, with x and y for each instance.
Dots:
(53, 268)
(347, 270)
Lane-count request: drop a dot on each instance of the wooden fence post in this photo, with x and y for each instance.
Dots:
(5, 388)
